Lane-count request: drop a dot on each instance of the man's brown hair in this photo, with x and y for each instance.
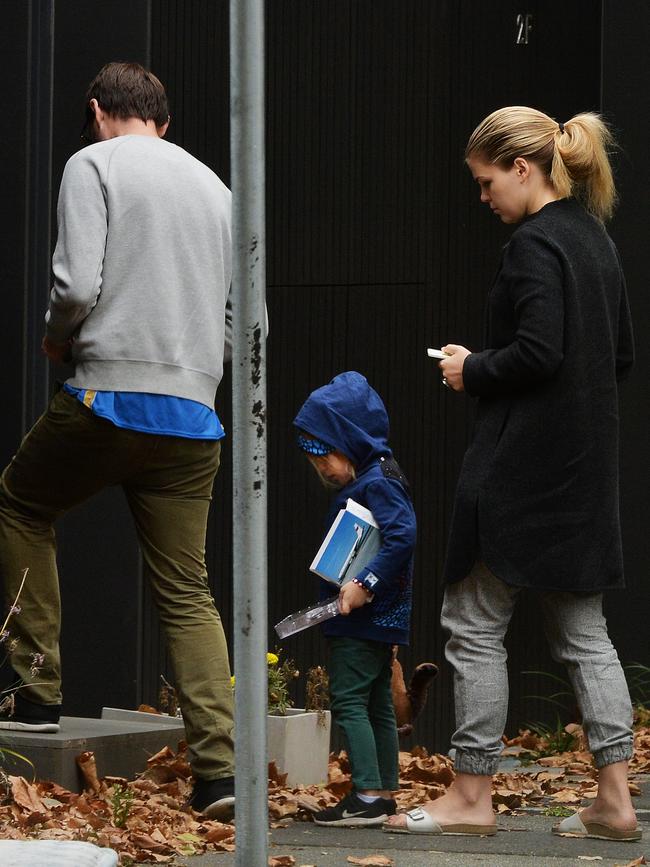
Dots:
(128, 90)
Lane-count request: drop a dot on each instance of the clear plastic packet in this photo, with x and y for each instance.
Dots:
(307, 617)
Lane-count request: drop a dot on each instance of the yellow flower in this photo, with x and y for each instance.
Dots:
(232, 680)
(272, 659)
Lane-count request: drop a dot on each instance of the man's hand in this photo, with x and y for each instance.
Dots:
(352, 596)
(452, 367)
(58, 353)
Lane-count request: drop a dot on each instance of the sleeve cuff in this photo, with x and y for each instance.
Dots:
(369, 581)
(470, 374)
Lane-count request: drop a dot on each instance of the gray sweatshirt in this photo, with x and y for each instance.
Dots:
(142, 269)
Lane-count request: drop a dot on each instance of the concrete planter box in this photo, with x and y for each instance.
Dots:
(121, 747)
(297, 743)
(300, 746)
(137, 716)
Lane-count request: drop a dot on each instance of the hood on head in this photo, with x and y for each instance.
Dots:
(349, 415)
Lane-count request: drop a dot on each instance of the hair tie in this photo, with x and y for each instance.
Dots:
(561, 125)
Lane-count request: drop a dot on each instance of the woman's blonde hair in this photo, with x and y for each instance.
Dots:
(574, 155)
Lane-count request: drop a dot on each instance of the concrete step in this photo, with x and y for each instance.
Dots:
(121, 748)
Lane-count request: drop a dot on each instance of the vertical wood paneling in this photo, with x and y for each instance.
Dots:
(377, 247)
(626, 75)
(14, 45)
(99, 560)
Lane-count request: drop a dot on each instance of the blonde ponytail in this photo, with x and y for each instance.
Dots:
(574, 155)
(580, 160)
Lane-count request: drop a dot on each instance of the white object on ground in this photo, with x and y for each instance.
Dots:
(55, 853)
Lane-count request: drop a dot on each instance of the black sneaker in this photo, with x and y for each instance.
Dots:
(214, 799)
(28, 716)
(352, 812)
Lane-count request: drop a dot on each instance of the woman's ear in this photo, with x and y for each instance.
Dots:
(522, 167)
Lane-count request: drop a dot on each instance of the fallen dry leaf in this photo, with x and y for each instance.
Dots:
(146, 708)
(310, 803)
(635, 863)
(159, 828)
(88, 768)
(566, 796)
(159, 774)
(281, 861)
(219, 832)
(548, 777)
(26, 795)
(275, 776)
(338, 781)
(590, 858)
(432, 769)
(162, 755)
(284, 806)
(371, 861)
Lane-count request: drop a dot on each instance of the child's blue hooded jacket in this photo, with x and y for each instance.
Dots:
(349, 415)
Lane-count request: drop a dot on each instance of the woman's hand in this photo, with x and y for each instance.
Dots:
(353, 596)
(452, 367)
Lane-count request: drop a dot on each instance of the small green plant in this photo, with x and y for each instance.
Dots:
(317, 692)
(641, 716)
(280, 676)
(558, 810)
(563, 699)
(552, 741)
(553, 738)
(9, 644)
(4, 752)
(167, 698)
(121, 800)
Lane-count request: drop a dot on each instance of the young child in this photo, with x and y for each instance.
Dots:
(343, 429)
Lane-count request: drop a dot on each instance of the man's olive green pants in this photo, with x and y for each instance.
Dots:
(71, 454)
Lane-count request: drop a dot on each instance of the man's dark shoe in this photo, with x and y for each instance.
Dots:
(352, 812)
(28, 716)
(214, 799)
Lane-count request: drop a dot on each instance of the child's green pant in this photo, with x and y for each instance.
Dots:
(362, 705)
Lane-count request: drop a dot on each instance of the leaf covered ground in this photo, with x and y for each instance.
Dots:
(145, 819)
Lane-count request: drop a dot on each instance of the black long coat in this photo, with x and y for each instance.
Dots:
(537, 498)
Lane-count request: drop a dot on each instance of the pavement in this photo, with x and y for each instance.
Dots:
(523, 839)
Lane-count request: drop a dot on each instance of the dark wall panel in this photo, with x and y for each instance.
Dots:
(626, 80)
(189, 53)
(14, 54)
(377, 248)
(99, 561)
(383, 250)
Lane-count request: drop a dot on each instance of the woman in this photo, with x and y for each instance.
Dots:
(537, 499)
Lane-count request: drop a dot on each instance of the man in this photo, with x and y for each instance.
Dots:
(142, 271)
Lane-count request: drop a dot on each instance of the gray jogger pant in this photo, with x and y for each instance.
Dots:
(477, 612)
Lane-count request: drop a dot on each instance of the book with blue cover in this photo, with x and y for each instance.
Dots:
(350, 544)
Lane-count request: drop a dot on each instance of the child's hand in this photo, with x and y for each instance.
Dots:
(353, 596)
